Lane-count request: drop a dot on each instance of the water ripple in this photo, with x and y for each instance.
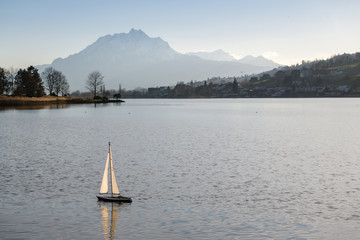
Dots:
(197, 169)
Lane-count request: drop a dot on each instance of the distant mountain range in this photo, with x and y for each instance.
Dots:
(136, 60)
(220, 55)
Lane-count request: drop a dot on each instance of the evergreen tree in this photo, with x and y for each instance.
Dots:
(3, 80)
(235, 86)
(29, 83)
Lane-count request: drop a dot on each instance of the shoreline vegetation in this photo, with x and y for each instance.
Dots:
(11, 101)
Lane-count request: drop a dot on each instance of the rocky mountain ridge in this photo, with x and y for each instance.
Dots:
(136, 60)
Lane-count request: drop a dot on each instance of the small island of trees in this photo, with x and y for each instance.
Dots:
(28, 83)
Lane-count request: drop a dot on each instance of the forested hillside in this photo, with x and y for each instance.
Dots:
(339, 70)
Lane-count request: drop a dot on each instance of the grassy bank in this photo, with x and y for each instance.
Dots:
(21, 101)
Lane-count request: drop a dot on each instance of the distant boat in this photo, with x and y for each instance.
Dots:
(110, 194)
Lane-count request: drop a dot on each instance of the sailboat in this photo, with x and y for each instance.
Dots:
(110, 194)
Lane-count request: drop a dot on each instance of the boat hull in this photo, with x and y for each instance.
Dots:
(114, 198)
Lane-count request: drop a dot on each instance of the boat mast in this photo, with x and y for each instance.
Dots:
(110, 166)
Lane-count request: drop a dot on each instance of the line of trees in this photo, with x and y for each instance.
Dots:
(29, 83)
(24, 82)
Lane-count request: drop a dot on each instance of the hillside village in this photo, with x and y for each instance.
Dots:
(338, 76)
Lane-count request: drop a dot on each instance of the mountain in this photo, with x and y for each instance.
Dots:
(258, 61)
(218, 55)
(136, 60)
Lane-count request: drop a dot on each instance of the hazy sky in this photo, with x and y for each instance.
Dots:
(34, 32)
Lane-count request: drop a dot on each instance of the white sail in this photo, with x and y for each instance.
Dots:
(104, 183)
(114, 186)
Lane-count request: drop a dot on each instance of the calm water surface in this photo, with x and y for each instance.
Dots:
(196, 169)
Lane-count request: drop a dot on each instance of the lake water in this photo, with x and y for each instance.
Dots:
(196, 169)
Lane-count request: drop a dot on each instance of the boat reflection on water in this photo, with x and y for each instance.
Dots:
(109, 214)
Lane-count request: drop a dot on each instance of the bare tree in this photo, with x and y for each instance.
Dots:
(11, 79)
(57, 85)
(94, 81)
(55, 82)
(50, 75)
(64, 86)
(3, 80)
(7, 78)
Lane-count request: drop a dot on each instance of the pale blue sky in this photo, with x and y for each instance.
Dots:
(34, 32)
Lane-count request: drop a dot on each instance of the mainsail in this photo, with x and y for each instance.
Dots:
(104, 183)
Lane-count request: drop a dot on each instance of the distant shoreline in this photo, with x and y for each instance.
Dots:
(28, 101)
